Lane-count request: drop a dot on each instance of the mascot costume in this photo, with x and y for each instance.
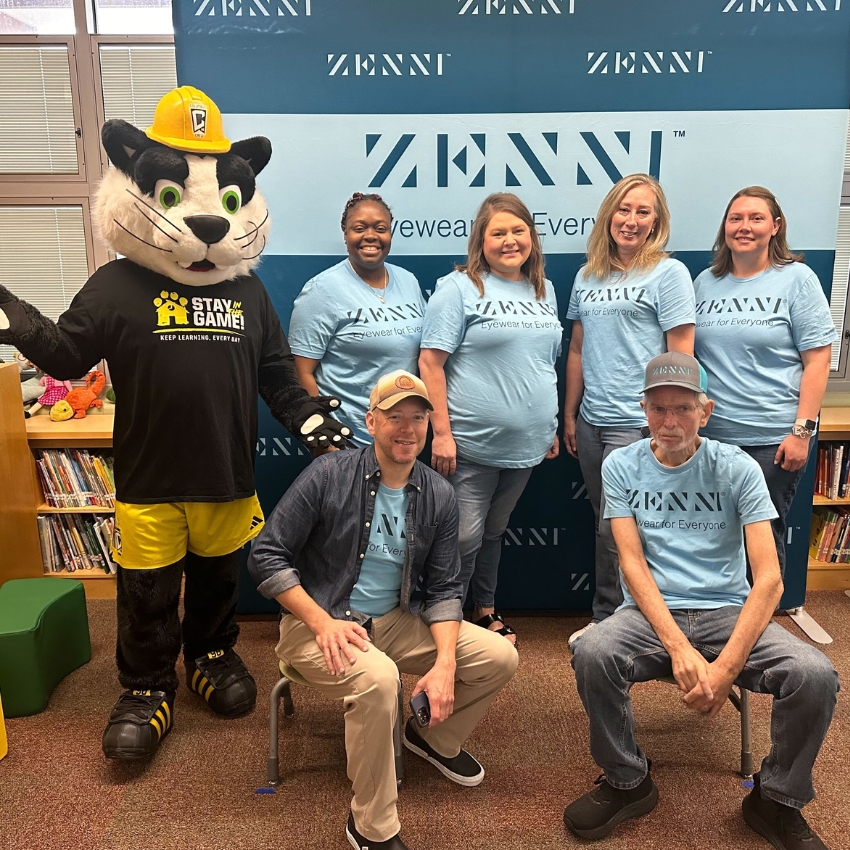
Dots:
(190, 337)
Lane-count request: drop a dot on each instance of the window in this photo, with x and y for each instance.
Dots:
(50, 153)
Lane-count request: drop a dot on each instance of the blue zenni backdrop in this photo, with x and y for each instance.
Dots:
(436, 103)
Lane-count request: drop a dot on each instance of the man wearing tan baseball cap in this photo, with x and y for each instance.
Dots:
(362, 554)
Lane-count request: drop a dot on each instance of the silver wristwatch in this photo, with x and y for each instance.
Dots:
(804, 428)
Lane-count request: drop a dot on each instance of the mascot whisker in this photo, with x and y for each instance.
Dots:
(191, 337)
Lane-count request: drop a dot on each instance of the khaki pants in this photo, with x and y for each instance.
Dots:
(369, 691)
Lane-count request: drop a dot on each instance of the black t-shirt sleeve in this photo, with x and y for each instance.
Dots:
(86, 333)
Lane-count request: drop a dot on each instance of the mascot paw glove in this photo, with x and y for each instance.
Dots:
(317, 429)
(13, 320)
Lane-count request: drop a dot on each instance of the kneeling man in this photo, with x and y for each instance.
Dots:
(682, 510)
(362, 554)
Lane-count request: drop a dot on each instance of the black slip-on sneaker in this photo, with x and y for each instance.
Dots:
(463, 768)
(358, 842)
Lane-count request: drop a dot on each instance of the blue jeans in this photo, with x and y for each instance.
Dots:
(486, 495)
(624, 649)
(782, 485)
(594, 444)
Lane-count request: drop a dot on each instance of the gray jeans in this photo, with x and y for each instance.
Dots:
(486, 495)
(594, 444)
(624, 649)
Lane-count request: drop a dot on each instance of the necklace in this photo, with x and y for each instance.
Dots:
(376, 290)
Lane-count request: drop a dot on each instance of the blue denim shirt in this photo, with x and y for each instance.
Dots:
(318, 535)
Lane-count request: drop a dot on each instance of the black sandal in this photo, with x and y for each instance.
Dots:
(505, 630)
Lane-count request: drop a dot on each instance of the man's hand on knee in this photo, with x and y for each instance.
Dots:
(439, 684)
(336, 639)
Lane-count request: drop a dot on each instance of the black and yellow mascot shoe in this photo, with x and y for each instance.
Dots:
(137, 724)
(223, 680)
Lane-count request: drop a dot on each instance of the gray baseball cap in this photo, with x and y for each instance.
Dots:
(675, 369)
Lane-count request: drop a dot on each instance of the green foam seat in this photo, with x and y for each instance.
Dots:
(44, 635)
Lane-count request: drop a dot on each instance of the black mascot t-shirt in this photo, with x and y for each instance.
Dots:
(184, 362)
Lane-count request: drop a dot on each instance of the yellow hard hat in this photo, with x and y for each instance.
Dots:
(187, 120)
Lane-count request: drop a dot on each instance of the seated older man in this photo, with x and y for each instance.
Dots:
(362, 554)
(682, 511)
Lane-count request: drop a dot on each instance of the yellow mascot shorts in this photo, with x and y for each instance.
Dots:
(148, 537)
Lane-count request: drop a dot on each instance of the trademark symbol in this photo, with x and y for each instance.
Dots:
(678, 134)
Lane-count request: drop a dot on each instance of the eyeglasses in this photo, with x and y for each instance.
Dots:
(680, 411)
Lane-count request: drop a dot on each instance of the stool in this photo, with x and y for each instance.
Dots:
(282, 689)
(44, 635)
(741, 701)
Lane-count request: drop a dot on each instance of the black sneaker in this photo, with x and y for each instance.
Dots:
(222, 679)
(783, 826)
(597, 813)
(137, 724)
(358, 842)
(463, 768)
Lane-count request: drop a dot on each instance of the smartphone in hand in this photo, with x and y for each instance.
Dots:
(421, 709)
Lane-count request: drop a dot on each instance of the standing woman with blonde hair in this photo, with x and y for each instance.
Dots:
(763, 335)
(629, 303)
(489, 344)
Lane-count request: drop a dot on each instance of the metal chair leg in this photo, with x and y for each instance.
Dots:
(746, 744)
(281, 689)
(399, 769)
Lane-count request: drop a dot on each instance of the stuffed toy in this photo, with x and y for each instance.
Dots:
(53, 391)
(61, 411)
(82, 398)
(190, 337)
(31, 388)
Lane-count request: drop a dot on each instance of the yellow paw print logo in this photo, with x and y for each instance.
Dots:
(171, 307)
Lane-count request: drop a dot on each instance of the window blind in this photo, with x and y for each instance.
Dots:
(42, 257)
(37, 133)
(840, 280)
(134, 78)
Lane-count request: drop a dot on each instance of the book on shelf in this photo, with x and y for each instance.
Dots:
(832, 475)
(829, 539)
(74, 478)
(74, 542)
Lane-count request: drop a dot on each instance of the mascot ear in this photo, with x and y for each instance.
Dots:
(120, 141)
(256, 151)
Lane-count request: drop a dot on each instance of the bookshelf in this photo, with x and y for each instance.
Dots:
(22, 500)
(834, 425)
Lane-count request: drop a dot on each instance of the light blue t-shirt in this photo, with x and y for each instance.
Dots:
(378, 587)
(690, 519)
(749, 335)
(339, 320)
(624, 319)
(500, 374)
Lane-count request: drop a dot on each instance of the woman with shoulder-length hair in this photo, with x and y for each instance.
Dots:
(489, 344)
(629, 303)
(763, 335)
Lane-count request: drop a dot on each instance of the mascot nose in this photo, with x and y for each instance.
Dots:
(208, 228)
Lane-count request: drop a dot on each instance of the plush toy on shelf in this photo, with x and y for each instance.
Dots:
(82, 398)
(31, 388)
(53, 391)
(61, 411)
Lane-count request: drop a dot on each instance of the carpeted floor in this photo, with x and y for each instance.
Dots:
(57, 792)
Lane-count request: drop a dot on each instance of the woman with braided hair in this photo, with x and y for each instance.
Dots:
(358, 319)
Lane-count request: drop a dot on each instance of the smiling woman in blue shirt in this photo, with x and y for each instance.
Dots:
(763, 335)
(489, 344)
(358, 319)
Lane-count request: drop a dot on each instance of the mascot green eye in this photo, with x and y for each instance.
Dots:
(168, 193)
(231, 199)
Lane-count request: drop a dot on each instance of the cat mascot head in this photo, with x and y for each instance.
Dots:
(182, 199)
